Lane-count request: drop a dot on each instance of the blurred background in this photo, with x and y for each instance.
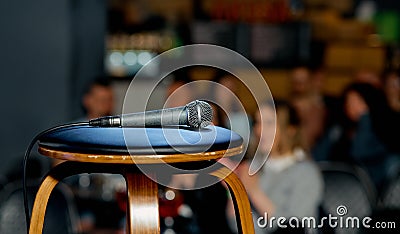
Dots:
(61, 58)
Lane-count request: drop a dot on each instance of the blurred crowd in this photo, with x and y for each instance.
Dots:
(358, 128)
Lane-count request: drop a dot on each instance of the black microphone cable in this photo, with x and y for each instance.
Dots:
(25, 163)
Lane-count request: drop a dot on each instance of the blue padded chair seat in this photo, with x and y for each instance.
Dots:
(142, 141)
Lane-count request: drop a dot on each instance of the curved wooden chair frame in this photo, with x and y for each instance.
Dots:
(142, 193)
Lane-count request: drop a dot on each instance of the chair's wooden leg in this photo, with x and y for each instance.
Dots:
(143, 214)
(40, 204)
(54, 176)
(240, 200)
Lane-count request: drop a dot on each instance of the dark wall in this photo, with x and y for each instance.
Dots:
(45, 58)
(88, 39)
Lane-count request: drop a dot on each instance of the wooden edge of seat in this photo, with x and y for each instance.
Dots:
(140, 159)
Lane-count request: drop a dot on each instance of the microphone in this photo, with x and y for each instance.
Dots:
(195, 114)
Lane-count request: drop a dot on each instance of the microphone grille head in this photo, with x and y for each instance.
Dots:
(200, 114)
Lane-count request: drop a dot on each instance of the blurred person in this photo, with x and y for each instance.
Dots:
(233, 115)
(373, 143)
(200, 210)
(391, 87)
(367, 133)
(324, 114)
(330, 104)
(306, 97)
(300, 81)
(289, 184)
(223, 95)
(312, 119)
(98, 99)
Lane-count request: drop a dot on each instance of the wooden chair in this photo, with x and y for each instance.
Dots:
(130, 151)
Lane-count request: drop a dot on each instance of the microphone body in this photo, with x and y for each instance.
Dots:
(170, 116)
(194, 114)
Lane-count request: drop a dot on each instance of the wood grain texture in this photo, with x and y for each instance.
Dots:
(143, 214)
(140, 159)
(240, 199)
(40, 204)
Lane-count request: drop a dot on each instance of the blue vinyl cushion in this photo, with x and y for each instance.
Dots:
(167, 140)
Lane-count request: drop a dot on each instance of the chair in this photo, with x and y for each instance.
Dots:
(128, 152)
(349, 186)
(390, 198)
(61, 216)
